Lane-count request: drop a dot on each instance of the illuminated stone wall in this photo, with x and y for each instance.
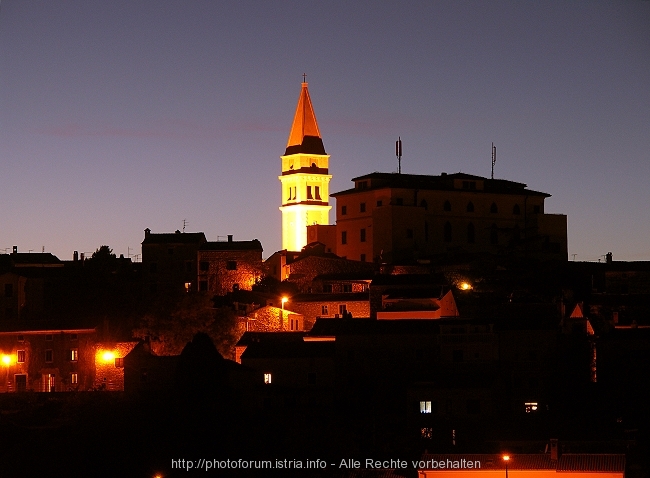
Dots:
(109, 366)
(229, 269)
(273, 319)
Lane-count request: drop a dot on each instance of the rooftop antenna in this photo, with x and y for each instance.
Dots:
(494, 158)
(184, 224)
(398, 153)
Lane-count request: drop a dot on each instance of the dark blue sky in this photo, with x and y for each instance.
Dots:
(122, 115)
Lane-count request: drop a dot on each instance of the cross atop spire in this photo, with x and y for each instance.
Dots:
(305, 135)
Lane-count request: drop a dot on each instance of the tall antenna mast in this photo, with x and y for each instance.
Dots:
(184, 224)
(494, 158)
(398, 153)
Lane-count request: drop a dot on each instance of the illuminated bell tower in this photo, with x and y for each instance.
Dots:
(305, 182)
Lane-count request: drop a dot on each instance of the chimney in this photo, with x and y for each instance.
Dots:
(609, 258)
(15, 249)
(82, 257)
(554, 449)
(75, 256)
(147, 231)
(229, 237)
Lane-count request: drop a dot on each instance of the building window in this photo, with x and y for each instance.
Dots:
(424, 204)
(344, 237)
(49, 356)
(267, 378)
(48, 337)
(494, 235)
(324, 310)
(379, 203)
(9, 290)
(426, 433)
(231, 265)
(447, 206)
(20, 356)
(362, 235)
(119, 362)
(347, 287)
(470, 206)
(530, 407)
(74, 355)
(203, 286)
(447, 232)
(516, 210)
(73, 336)
(328, 288)
(409, 233)
(344, 210)
(343, 310)
(469, 184)
(317, 192)
(204, 266)
(399, 201)
(493, 208)
(425, 407)
(74, 378)
(309, 195)
(362, 207)
(21, 338)
(363, 258)
(188, 287)
(470, 234)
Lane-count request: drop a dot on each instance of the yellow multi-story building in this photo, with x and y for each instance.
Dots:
(305, 179)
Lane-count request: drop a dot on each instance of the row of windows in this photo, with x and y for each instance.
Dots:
(48, 337)
(473, 407)
(494, 209)
(313, 192)
(447, 234)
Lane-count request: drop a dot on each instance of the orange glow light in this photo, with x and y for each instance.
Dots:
(465, 286)
(108, 356)
(506, 457)
(6, 359)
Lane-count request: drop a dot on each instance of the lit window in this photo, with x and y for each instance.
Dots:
(74, 378)
(119, 362)
(425, 407)
(530, 407)
(20, 356)
(74, 355)
(188, 286)
(49, 355)
(426, 433)
(267, 378)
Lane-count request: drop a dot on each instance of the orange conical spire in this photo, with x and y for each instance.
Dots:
(305, 135)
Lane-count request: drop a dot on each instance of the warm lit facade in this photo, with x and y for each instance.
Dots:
(397, 217)
(305, 179)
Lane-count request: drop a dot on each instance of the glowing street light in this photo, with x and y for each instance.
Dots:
(506, 459)
(6, 360)
(284, 301)
(465, 286)
(108, 356)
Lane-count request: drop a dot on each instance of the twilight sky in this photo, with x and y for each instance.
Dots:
(126, 114)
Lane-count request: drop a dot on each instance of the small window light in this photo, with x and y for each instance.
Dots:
(267, 378)
(530, 407)
(425, 407)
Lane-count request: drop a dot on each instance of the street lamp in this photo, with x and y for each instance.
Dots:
(284, 301)
(506, 459)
